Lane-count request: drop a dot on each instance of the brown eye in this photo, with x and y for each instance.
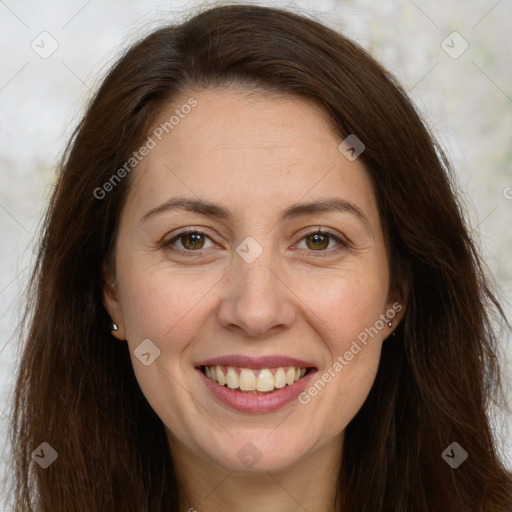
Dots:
(193, 241)
(319, 240)
(190, 241)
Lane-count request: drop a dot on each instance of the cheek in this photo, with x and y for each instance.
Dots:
(167, 307)
(163, 303)
(349, 314)
(348, 305)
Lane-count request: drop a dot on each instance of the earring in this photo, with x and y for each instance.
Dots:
(113, 326)
(390, 324)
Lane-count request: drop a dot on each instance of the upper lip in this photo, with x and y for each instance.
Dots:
(240, 361)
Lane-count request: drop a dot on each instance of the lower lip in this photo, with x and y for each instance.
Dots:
(257, 404)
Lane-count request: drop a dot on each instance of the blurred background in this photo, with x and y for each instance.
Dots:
(453, 57)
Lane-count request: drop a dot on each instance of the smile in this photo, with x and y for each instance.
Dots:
(254, 381)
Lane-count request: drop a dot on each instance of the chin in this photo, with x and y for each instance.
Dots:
(255, 454)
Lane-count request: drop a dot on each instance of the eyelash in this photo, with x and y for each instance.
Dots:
(191, 253)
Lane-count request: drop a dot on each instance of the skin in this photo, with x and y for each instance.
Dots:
(255, 154)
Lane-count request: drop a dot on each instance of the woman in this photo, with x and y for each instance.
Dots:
(256, 288)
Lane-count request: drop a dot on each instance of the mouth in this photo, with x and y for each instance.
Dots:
(255, 381)
(255, 384)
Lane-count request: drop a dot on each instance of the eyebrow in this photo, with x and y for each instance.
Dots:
(207, 208)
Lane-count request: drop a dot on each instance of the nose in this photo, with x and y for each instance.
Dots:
(255, 300)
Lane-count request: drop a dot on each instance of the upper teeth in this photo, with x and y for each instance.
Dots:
(255, 380)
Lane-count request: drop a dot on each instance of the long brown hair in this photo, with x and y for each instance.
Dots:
(76, 389)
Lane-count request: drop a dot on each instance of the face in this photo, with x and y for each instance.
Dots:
(260, 287)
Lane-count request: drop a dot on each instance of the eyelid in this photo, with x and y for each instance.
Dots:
(185, 231)
(340, 239)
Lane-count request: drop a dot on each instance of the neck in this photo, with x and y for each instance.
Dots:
(311, 483)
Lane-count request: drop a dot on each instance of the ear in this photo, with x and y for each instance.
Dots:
(111, 302)
(397, 302)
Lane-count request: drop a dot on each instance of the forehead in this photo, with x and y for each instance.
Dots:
(252, 150)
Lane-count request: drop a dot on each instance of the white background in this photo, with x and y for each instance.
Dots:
(467, 101)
